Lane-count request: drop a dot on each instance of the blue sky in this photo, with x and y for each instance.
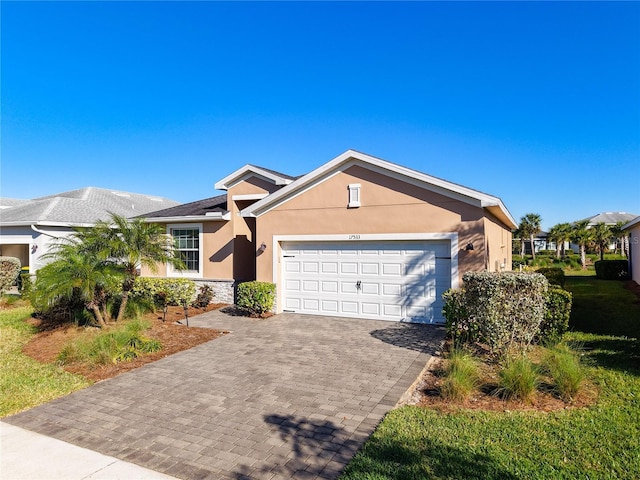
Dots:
(537, 103)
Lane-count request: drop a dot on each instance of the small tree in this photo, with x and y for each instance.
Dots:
(601, 234)
(560, 234)
(582, 235)
(530, 227)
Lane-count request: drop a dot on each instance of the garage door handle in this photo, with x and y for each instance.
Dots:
(358, 284)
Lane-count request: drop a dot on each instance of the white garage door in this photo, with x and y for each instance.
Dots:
(386, 280)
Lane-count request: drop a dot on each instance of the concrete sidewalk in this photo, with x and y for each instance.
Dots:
(26, 455)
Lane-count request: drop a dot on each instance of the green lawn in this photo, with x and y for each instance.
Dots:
(602, 441)
(24, 382)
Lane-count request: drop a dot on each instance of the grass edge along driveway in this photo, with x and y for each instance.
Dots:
(602, 441)
(24, 382)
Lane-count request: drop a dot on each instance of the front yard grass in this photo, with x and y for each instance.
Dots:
(24, 382)
(601, 441)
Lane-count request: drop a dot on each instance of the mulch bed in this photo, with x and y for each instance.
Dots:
(47, 344)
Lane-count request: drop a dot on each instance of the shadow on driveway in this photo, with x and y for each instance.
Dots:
(416, 337)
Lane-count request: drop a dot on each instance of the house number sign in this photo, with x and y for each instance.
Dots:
(354, 236)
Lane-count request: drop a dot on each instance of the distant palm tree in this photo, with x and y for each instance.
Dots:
(555, 235)
(130, 245)
(619, 236)
(601, 236)
(582, 235)
(530, 227)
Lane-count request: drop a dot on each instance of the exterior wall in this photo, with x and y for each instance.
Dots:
(634, 247)
(497, 246)
(387, 206)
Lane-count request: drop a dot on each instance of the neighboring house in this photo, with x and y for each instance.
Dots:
(28, 227)
(356, 237)
(633, 228)
(608, 218)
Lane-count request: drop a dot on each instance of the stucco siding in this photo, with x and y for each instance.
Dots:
(388, 206)
(497, 241)
(634, 246)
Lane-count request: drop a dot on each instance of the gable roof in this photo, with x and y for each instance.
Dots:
(632, 223)
(79, 207)
(248, 170)
(214, 208)
(352, 157)
(610, 218)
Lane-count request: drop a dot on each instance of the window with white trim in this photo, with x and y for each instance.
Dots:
(187, 241)
(354, 195)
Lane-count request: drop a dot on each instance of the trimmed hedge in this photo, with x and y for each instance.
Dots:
(554, 275)
(504, 310)
(9, 269)
(612, 269)
(172, 291)
(556, 317)
(256, 298)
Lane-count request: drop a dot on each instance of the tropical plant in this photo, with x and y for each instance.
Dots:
(74, 274)
(619, 236)
(582, 235)
(601, 234)
(530, 227)
(130, 244)
(560, 234)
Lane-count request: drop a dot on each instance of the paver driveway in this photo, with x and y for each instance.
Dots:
(291, 396)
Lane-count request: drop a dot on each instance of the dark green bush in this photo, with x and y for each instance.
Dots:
(517, 261)
(26, 284)
(256, 298)
(556, 317)
(554, 275)
(459, 327)
(174, 291)
(612, 269)
(9, 269)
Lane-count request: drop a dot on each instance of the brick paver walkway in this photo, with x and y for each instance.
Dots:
(292, 396)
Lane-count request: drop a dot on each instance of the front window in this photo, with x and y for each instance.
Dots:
(186, 239)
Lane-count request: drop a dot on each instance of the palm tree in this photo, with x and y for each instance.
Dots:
(517, 233)
(582, 235)
(74, 274)
(555, 235)
(130, 245)
(619, 236)
(601, 234)
(530, 226)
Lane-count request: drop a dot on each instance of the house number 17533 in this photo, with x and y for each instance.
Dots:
(354, 236)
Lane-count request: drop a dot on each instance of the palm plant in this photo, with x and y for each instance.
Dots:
(74, 274)
(560, 234)
(530, 226)
(130, 245)
(582, 235)
(601, 235)
(618, 234)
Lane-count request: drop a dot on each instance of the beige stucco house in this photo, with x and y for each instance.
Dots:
(356, 237)
(633, 229)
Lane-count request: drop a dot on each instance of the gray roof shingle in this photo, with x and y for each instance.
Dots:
(199, 207)
(611, 218)
(83, 206)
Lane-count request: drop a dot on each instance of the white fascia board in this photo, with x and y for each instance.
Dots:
(214, 216)
(632, 223)
(351, 157)
(248, 171)
(249, 196)
(45, 224)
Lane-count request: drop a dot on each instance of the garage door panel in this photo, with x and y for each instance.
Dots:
(392, 280)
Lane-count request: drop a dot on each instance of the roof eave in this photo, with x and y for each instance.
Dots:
(228, 181)
(213, 217)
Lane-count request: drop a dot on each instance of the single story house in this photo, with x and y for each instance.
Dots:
(356, 237)
(633, 229)
(29, 227)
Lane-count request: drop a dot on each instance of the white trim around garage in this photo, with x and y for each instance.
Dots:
(278, 240)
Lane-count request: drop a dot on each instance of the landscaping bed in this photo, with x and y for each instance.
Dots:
(46, 345)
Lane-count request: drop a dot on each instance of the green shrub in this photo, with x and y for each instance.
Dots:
(9, 270)
(565, 369)
(174, 291)
(459, 327)
(556, 317)
(517, 261)
(554, 275)
(256, 298)
(26, 283)
(461, 375)
(508, 308)
(518, 379)
(612, 269)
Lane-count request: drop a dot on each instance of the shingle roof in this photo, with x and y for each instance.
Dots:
(275, 172)
(199, 207)
(611, 218)
(83, 206)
